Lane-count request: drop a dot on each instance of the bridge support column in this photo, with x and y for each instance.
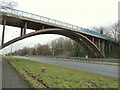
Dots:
(109, 47)
(93, 39)
(99, 44)
(106, 48)
(25, 27)
(103, 47)
(21, 33)
(3, 33)
(113, 47)
(96, 42)
(43, 27)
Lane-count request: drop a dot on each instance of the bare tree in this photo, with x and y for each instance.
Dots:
(102, 30)
(115, 30)
(4, 4)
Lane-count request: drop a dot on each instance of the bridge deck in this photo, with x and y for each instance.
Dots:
(19, 21)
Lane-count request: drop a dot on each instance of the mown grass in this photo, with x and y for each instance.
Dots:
(59, 77)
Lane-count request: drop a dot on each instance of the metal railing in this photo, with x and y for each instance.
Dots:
(52, 21)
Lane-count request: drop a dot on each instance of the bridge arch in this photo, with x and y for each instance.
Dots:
(92, 49)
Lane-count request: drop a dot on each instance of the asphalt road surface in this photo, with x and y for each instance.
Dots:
(11, 78)
(108, 70)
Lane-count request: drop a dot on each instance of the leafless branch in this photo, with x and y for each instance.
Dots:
(7, 4)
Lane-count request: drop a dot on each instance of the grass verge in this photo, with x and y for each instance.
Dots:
(59, 77)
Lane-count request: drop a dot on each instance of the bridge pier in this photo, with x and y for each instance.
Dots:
(99, 44)
(96, 42)
(103, 47)
(113, 47)
(93, 39)
(43, 27)
(25, 27)
(3, 33)
(21, 33)
(109, 48)
(106, 48)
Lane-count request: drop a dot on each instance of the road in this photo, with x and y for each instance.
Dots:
(11, 78)
(108, 70)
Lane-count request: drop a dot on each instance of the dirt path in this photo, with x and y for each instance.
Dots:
(11, 78)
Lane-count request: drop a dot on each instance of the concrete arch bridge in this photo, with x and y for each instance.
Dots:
(97, 45)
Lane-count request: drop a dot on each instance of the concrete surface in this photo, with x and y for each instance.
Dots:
(11, 78)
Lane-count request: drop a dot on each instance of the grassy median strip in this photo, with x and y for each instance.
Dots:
(59, 77)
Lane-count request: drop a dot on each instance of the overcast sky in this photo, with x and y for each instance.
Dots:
(83, 13)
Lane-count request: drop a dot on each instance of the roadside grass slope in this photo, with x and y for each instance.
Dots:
(60, 77)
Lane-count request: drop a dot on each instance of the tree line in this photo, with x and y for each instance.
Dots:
(58, 47)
